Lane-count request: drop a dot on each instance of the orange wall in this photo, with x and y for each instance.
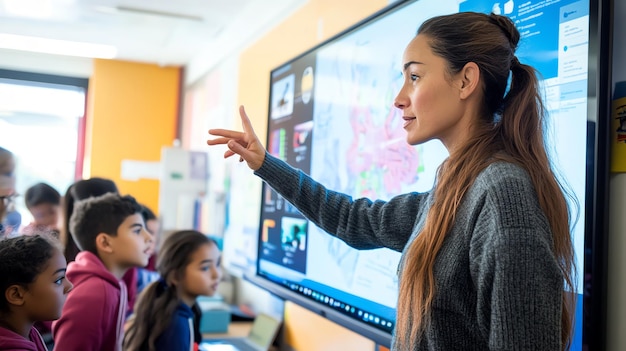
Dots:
(132, 112)
(305, 330)
(315, 22)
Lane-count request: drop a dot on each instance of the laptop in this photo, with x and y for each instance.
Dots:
(262, 334)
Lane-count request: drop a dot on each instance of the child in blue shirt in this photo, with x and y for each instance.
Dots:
(167, 316)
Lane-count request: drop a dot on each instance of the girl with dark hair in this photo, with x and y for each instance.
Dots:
(34, 288)
(487, 256)
(80, 190)
(167, 316)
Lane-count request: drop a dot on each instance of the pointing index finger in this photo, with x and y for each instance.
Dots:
(245, 121)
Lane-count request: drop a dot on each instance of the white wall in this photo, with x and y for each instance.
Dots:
(616, 299)
(230, 43)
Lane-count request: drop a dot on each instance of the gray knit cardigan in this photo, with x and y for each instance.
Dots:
(498, 284)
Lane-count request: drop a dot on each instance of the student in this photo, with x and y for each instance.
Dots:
(43, 202)
(34, 288)
(154, 227)
(167, 316)
(7, 194)
(7, 162)
(110, 232)
(148, 274)
(487, 257)
(81, 190)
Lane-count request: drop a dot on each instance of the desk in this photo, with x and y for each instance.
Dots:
(235, 329)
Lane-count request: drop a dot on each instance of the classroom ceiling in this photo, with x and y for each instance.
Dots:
(165, 32)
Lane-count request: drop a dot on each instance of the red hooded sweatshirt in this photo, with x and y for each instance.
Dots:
(94, 312)
(9, 340)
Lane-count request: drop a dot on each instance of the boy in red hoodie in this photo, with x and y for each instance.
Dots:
(110, 232)
(33, 288)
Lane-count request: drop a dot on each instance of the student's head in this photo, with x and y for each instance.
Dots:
(7, 194)
(43, 202)
(111, 227)
(7, 180)
(189, 264)
(7, 162)
(87, 188)
(153, 226)
(32, 279)
(80, 190)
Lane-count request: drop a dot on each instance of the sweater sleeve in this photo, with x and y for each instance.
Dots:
(361, 223)
(86, 320)
(516, 274)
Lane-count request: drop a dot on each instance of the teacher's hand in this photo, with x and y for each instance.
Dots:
(245, 144)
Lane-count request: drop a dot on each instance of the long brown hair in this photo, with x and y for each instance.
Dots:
(80, 190)
(511, 130)
(158, 301)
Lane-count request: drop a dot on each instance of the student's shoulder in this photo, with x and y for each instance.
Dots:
(181, 317)
(183, 311)
(29, 229)
(178, 332)
(90, 282)
(95, 288)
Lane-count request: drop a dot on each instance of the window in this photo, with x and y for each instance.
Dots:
(42, 123)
